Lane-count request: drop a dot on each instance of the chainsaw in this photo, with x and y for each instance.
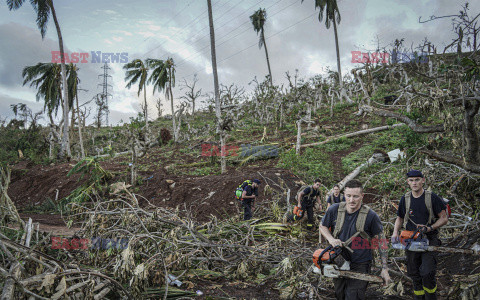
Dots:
(298, 211)
(416, 242)
(324, 260)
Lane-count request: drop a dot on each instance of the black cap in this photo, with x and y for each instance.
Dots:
(257, 181)
(414, 173)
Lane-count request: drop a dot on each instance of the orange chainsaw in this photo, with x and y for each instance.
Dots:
(324, 260)
(416, 242)
(298, 211)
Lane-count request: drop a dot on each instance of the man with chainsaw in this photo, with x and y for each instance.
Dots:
(249, 195)
(423, 211)
(347, 220)
(306, 198)
(336, 197)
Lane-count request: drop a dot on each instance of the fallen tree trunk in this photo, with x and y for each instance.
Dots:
(365, 131)
(412, 124)
(353, 174)
(453, 160)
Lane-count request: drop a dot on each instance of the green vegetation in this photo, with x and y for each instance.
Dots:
(96, 180)
(313, 163)
(338, 145)
(15, 138)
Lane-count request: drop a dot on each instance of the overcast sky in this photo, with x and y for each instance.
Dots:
(179, 29)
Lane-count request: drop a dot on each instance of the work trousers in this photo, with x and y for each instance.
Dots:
(352, 289)
(307, 206)
(422, 268)
(247, 208)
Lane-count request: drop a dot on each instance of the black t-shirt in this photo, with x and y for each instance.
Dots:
(419, 212)
(251, 190)
(373, 226)
(313, 193)
(335, 199)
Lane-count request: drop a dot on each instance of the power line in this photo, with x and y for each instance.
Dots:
(238, 52)
(206, 35)
(198, 53)
(165, 24)
(185, 27)
(269, 37)
(201, 30)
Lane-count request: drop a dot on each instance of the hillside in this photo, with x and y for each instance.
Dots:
(184, 180)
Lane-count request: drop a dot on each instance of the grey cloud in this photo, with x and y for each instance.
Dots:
(21, 46)
(6, 101)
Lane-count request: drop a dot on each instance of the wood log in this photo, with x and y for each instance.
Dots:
(365, 131)
(412, 124)
(9, 286)
(102, 294)
(353, 174)
(77, 286)
(16, 270)
(453, 160)
(289, 207)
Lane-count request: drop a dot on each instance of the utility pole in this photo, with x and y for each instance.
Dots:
(102, 99)
(218, 113)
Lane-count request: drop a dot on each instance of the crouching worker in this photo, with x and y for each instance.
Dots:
(345, 219)
(420, 209)
(306, 197)
(249, 195)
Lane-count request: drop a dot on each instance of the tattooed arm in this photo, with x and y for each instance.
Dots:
(382, 250)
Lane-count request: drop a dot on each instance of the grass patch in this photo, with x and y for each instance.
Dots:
(356, 158)
(338, 145)
(311, 164)
(48, 206)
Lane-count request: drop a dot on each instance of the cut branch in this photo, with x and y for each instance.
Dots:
(412, 124)
(333, 138)
(453, 160)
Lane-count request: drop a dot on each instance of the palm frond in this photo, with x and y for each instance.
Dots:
(42, 9)
(14, 4)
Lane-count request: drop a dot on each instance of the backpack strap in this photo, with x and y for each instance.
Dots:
(361, 220)
(428, 204)
(311, 189)
(340, 219)
(342, 198)
(359, 225)
(408, 200)
(308, 195)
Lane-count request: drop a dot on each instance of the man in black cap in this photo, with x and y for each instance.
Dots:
(249, 194)
(424, 210)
